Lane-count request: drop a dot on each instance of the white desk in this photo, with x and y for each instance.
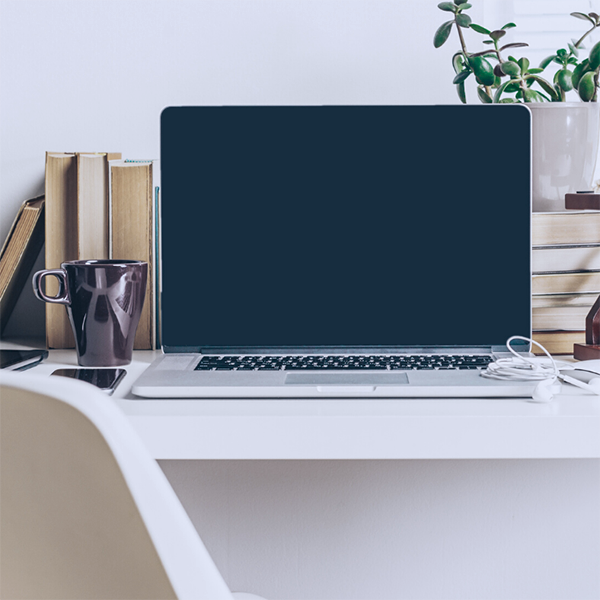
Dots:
(569, 427)
(377, 529)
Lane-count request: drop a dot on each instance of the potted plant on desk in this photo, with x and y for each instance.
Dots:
(565, 134)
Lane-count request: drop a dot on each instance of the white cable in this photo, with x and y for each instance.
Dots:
(523, 368)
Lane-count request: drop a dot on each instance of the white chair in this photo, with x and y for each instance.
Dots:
(86, 513)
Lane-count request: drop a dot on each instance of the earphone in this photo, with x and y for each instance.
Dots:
(523, 368)
(543, 391)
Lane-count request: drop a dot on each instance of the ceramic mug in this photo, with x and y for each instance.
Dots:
(104, 300)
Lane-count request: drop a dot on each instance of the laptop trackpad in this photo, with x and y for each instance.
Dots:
(373, 378)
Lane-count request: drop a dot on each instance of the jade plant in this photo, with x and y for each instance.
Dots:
(503, 78)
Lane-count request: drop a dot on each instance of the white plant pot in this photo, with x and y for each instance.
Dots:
(564, 150)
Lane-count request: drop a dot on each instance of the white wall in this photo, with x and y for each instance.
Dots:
(94, 75)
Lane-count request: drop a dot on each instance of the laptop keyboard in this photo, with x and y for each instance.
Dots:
(342, 362)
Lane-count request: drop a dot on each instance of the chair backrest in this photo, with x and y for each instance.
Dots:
(86, 513)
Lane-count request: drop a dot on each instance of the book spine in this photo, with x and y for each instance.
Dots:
(133, 234)
(92, 207)
(61, 238)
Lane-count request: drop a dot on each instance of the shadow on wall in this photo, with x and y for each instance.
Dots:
(28, 318)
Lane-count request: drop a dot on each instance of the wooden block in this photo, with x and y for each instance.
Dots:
(582, 201)
(586, 351)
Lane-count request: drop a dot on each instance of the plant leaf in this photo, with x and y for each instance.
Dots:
(441, 35)
(461, 2)
(587, 87)
(500, 91)
(483, 70)
(564, 80)
(546, 62)
(573, 50)
(524, 64)
(511, 68)
(447, 6)
(583, 17)
(485, 53)
(497, 34)
(460, 77)
(547, 87)
(594, 57)
(460, 90)
(483, 95)
(488, 41)
(508, 26)
(464, 6)
(458, 62)
(579, 71)
(529, 95)
(507, 101)
(538, 96)
(463, 20)
(480, 29)
(514, 45)
(535, 70)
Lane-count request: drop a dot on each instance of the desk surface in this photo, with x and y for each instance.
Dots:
(569, 427)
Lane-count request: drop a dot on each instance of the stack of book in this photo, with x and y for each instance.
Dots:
(99, 206)
(566, 276)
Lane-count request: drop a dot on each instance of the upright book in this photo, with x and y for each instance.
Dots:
(134, 192)
(19, 253)
(61, 238)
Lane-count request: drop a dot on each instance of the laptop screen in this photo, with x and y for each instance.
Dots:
(345, 226)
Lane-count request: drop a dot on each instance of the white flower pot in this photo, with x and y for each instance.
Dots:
(564, 150)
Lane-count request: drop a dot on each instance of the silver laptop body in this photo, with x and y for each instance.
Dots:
(342, 251)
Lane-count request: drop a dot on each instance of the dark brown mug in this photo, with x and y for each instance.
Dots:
(104, 300)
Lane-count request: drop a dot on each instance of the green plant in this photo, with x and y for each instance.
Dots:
(495, 82)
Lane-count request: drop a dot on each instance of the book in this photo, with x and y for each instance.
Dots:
(93, 204)
(61, 238)
(133, 226)
(566, 283)
(560, 317)
(560, 300)
(557, 342)
(573, 227)
(19, 253)
(547, 259)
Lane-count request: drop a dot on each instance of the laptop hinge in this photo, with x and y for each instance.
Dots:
(331, 350)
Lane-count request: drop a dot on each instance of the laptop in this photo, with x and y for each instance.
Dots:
(342, 251)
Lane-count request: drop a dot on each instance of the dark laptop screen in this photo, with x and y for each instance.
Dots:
(345, 226)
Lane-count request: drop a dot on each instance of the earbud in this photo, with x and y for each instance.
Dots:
(592, 386)
(543, 391)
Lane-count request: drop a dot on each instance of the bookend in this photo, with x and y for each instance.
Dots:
(591, 348)
(587, 200)
(582, 201)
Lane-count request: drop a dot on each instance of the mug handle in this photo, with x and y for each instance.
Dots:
(63, 296)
